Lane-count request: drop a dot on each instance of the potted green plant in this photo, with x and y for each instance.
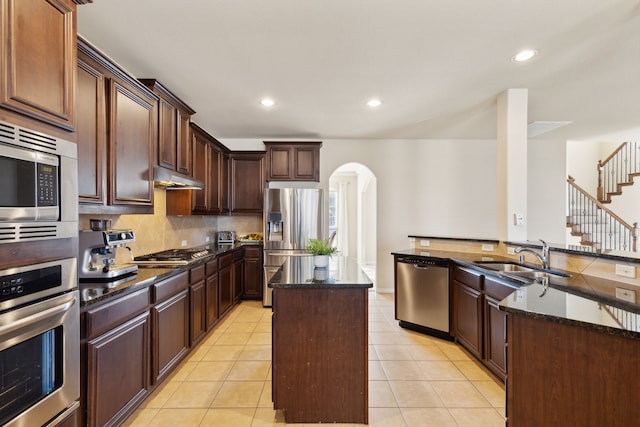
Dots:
(321, 251)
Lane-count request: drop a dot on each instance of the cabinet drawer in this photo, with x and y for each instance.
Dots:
(497, 289)
(211, 267)
(196, 274)
(225, 260)
(171, 286)
(238, 254)
(252, 252)
(468, 277)
(115, 312)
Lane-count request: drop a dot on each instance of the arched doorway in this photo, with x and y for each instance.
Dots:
(352, 213)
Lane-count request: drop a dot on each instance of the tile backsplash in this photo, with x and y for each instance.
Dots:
(158, 232)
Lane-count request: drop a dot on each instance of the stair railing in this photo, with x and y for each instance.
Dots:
(588, 217)
(618, 170)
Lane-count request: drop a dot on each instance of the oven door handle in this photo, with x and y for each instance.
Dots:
(35, 318)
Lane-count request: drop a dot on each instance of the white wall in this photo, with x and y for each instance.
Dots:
(439, 188)
(546, 190)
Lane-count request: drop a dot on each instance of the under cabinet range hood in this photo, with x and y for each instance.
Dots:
(172, 180)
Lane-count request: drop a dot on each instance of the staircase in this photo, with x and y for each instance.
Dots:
(618, 170)
(597, 226)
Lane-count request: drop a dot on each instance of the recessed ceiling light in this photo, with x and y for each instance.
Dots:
(267, 102)
(524, 55)
(373, 103)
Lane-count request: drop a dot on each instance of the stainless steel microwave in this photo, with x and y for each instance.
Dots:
(39, 180)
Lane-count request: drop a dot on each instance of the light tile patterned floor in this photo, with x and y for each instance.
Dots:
(414, 380)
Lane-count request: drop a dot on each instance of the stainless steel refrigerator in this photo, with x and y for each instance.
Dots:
(292, 216)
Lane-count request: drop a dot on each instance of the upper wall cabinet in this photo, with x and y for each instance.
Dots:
(293, 161)
(247, 181)
(116, 128)
(38, 60)
(174, 142)
(210, 166)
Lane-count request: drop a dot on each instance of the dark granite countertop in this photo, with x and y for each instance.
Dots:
(554, 304)
(581, 299)
(97, 291)
(569, 249)
(299, 272)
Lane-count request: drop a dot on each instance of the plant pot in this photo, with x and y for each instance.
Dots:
(320, 274)
(321, 261)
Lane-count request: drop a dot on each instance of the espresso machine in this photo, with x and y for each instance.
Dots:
(98, 249)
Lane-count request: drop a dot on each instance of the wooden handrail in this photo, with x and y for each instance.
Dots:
(601, 163)
(571, 180)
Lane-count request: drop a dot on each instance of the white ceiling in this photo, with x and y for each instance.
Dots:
(437, 65)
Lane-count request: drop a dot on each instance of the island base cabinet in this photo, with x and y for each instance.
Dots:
(118, 372)
(320, 355)
(560, 374)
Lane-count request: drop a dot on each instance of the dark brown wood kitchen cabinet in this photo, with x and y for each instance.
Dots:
(170, 324)
(212, 290)
(320, 354)
(467, 313)
(247, 181)
(115, 369)
(38, 57)
(174, 139)
(293, 161)
(238, 274)
(198, 301)
(91, 134)
(129, 127)
(570, 373)
(253, 276)
(210, 166)
(495, 327)
(478, 323)
(225, 283)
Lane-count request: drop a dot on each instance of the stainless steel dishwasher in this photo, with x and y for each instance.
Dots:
(422, 294)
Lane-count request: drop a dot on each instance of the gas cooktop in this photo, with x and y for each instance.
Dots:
(172, 257)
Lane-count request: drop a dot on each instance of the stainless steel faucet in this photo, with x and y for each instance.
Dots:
(544, 258)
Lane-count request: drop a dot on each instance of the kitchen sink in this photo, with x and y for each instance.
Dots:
(521, 273)
(535, 275)
(504, 266)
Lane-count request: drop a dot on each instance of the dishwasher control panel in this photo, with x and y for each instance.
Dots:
(413, 259)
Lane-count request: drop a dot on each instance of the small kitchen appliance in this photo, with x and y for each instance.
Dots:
(98, 249)
(226, 237)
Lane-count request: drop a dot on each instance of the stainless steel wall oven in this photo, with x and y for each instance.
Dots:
(39, 343)
(39, 175)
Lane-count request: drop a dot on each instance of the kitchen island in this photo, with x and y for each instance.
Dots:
(573, 359)
(320, 355)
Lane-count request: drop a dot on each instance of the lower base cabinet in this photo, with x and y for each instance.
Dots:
(115, 332)
(253, 276)
(118, 371)
(564, 374)
(478, 323)
(170, 333)
(320, 355)
(238, 275)
(132, 342)
(198, 307)
(211, 294)
(225, 283)
(467, 316)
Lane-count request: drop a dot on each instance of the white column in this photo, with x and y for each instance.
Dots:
(511, 192)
